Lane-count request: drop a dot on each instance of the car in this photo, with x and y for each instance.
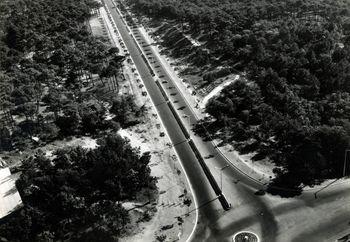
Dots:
(209, 156)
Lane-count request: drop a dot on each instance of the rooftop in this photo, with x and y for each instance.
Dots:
(10, 200)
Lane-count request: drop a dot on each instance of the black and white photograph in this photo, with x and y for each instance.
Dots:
(174, 120)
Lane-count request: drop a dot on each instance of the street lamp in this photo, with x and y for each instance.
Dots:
(345, 161)
(221, 170)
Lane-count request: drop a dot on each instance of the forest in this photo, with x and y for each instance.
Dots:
(78, 195)
(58, 81)
(292, 102)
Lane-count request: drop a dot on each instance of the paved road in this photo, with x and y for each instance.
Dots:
(207, 148)
(211, 212)
(269, 217)
(197, 179)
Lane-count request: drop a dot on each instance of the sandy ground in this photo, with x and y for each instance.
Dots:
(14, 158)
(172, 187)
(217, 90)
(85, 142)
(96, 24)
(172, 184)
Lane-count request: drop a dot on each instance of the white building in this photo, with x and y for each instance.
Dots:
(10, 200)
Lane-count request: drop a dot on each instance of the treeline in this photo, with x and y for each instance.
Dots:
(234, 31)
(50, 68)
(293, 105)
(53, 82)
(77, 196)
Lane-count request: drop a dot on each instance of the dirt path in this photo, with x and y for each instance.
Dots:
(172, 184)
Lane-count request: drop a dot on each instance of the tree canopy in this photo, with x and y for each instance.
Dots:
(49, 67)
(77, 196)
(292, 104)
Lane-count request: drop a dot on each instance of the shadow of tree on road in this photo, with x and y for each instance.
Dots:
(263, 216)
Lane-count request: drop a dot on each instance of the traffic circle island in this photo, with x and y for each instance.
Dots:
(245, 236)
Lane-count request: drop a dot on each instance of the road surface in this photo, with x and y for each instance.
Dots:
(197, 179)
(271, 218)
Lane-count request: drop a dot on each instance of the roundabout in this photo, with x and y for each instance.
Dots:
(245, 236)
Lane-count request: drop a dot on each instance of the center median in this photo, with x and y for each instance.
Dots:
(208, 174)
(210, 177)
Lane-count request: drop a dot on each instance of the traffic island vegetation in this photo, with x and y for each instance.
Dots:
(293, 104)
